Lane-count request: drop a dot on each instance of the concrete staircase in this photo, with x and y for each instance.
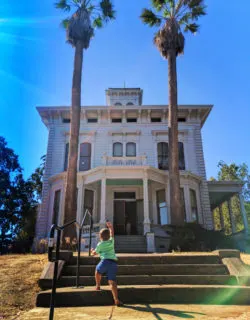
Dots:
(130, 244)
(154, 278)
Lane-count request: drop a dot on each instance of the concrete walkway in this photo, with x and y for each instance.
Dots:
(147, 312)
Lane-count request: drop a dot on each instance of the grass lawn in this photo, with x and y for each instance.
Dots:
(18, 283)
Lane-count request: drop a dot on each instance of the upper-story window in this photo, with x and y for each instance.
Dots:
(117, 149)
(118, 104)
(92, 120)
(131, 120)
(66, 157)
(130, 104)
(162, 150)
(155, 119)
(130, 149)
(116, 120)
(85, 157)
(181, 156)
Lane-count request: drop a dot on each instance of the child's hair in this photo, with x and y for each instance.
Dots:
(105, 234)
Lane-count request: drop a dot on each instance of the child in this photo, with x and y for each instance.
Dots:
(108, 264)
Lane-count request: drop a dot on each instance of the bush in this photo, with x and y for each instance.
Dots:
(192, 237)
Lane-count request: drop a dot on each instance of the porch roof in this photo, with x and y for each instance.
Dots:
(123, 173)
(221, 191)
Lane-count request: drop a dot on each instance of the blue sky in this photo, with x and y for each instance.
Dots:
(36, 70)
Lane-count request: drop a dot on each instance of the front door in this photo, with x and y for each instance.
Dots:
(125, 219)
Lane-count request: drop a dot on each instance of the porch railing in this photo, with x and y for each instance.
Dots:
(124, 161)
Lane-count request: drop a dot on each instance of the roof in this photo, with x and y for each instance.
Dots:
(64, 111)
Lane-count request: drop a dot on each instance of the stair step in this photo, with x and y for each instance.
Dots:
(185, 294)
(158, 269)
(67, 281)
(142, 259)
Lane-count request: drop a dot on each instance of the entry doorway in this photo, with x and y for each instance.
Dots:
(125, 215)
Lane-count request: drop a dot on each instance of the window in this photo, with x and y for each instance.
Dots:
(183, 205)
(162, 149)
(118, 104)
(116, 120)
(85, 157)
(88, 204)
(162, 207)
(56, 206)
(66, 120)
(155, 119)
(66, 157)
(130, 104)
(117, 149)
(124, 195)
(194, 209)
(181, 156)
(131, 120)
(92, 120)
(181, 119)
(130, 149)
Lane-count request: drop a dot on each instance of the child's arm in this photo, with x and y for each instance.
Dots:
(111, 229)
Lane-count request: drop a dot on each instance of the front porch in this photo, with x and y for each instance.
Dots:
(223, 195)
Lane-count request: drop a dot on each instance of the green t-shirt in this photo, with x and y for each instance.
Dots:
(106, 249)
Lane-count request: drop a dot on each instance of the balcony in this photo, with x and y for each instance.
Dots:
(124, 161)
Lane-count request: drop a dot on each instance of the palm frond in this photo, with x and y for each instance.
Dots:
(166, 13)
(198, 11)
(192, 27)
(63, 4)
(150, 18)
(107, 9)
(65, 23)
(158, 4)
(98, 22)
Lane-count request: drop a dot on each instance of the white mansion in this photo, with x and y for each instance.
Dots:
(123, 167)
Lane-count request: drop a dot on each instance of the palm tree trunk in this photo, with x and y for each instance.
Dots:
(174, 176)
(70, 205)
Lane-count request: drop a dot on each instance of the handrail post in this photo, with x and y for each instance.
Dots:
(90, 233)
(53, 292)
(78, 257)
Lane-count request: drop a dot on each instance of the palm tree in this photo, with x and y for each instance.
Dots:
(88, 15)
(173, 17)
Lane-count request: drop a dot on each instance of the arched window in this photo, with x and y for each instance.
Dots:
(130, 149)
(66, 157)
(181, 156)
(118, 104)
(117, 149)
(162, 150)
(130, 104)
(85, 157)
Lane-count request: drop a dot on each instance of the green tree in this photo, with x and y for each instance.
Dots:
(87, 15)
(36, 180)
(233, 172)
(173, 17)
(18, 201)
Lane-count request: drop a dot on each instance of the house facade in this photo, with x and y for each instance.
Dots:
(123, 166)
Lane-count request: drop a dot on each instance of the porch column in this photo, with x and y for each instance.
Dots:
(243, 213)
(231, 216)
(146, 205)
(103, 203)
(221, 217)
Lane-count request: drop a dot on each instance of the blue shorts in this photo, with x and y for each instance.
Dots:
(108, 267)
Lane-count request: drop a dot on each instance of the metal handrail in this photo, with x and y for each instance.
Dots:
(57, 254)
